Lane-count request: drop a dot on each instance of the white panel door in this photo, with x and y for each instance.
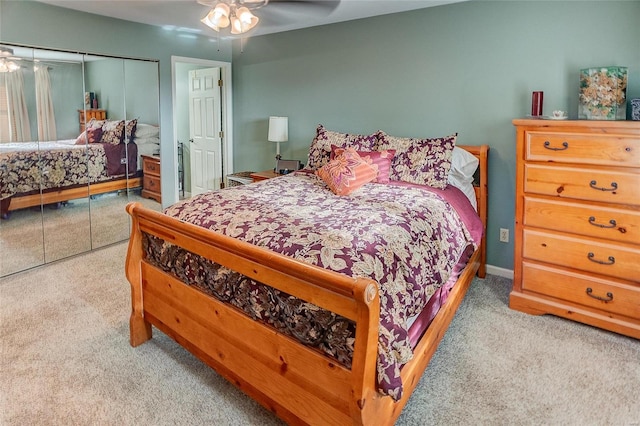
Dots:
(205, 123)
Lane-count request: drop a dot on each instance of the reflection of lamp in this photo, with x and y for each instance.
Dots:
(278, 132)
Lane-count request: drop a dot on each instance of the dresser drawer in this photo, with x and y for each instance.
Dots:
(583, 148)
(150, 165)
(604, 186)
(614, 260)
(615, 224)
(605, 295)
(151, 183)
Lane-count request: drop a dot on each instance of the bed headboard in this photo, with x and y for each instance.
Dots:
(481, 152)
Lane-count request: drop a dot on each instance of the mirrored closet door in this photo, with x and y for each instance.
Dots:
(62, 162)
(104, 80)
(22, 237)
(73, 128)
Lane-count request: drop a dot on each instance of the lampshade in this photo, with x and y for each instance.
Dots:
(234, 13)
(243, 21)
(278, 129)
(218, 17)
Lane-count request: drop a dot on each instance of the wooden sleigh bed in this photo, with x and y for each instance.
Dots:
(68, 171)
(298, 384)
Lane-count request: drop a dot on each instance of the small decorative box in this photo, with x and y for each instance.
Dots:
(603, 93)
(635, 109)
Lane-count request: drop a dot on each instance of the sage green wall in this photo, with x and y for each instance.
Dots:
(38, 24)
(467, 67)
(66, 93)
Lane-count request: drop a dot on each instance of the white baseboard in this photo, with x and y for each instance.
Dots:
(501, 272)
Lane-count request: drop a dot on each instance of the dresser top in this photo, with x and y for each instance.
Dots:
(578, 124)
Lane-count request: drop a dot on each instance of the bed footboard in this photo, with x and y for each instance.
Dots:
(298, 384)
(295, 382)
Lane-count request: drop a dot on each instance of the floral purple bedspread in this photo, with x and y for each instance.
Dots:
(407, 238)
(32, 166)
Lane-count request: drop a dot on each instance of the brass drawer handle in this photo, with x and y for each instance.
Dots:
(611, 260)
(614, 186)
(612, 223)
(547, 145)
(609, 297)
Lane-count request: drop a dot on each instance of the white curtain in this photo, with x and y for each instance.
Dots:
(18, 113)
(44, 105)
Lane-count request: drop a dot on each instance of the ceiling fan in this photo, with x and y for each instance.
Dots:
(239, 13)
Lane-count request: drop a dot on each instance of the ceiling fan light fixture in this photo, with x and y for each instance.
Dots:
(224, 14)
(218, 17)
(247, 19)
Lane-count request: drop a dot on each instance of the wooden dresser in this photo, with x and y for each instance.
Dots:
(151, 177)
(85, 115)
(577, 235)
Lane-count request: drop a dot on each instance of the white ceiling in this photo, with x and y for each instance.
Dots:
(278, 16)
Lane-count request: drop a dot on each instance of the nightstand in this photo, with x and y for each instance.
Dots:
(267, 174)
(151, 177)
(85, 115)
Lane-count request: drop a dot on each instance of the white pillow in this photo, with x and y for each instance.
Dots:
(146, 131)
(146, 141)
(463, 167)
(463, 163)
(466, 187)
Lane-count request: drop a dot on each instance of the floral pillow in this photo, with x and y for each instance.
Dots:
(347, 172)
(92, 134)
(113, 132)
(379, 159)
(320, 150)
(130, 130)
(421, 161)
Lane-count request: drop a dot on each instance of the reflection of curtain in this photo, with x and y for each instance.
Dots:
(44, 104)
(18, 114)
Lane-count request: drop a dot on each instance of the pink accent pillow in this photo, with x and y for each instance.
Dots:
(320, 149)
(93, 124)
(380, 159)
(347, 172)
(90, 136)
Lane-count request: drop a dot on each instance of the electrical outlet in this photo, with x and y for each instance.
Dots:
(504, 235)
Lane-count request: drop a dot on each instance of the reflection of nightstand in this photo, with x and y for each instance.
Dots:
(85, 115)
(267, 174)
(151, 177)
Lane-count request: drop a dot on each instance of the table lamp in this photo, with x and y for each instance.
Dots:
(278, 132)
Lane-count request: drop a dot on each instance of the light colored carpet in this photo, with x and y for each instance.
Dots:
(34, 236)
(66, 360)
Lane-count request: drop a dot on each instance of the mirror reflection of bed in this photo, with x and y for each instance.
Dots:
(63, 193)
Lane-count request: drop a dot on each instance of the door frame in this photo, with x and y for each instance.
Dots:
(226, 108)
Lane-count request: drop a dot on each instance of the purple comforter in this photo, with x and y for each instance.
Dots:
(405, 237)
(26, 167)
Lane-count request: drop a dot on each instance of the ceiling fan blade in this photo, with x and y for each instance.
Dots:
(316, 5)
(280, 12)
